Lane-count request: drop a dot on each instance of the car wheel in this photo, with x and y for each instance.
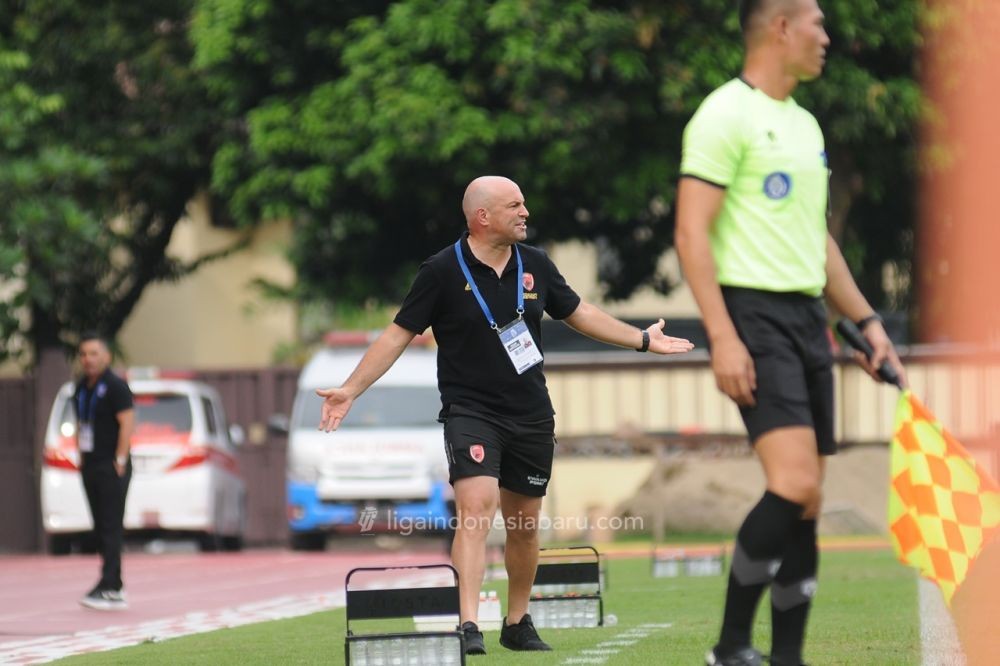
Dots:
(88, 543)
(60, 544)
(234, 542)
(308, 541)
(209, 542)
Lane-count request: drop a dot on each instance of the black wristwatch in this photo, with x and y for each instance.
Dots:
(862, 323)
(645, 341)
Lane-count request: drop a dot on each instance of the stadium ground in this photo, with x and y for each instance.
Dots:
(867, 612)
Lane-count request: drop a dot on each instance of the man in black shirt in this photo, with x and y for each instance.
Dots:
(484, 297)
(105, 419)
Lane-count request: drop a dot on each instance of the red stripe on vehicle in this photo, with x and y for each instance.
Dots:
(56, 458)
(200, 454)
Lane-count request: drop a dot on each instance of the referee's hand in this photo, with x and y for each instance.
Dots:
(336, 403)
(734, 370)
(883, 352)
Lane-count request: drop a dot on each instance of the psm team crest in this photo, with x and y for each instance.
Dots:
(477, 452)
(529, 281)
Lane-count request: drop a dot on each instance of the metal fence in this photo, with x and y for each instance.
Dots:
(603, 394)
(18, 475)
(250, 398)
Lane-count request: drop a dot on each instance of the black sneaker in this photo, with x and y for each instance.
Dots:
(108, 600)
(522, 636)
(474, 643)
(743, 657)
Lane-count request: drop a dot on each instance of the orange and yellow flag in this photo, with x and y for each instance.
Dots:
(943, 507)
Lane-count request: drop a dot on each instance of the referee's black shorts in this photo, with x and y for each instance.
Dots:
(518, 453)
(786, 334)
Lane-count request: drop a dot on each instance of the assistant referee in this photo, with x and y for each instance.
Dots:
(753, 242)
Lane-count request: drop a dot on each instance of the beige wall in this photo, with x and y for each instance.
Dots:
(577, 261)
(582, 490)
(214, 317)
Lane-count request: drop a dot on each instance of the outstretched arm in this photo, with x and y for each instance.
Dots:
(377, 360)
(844, 295)
(598, 324)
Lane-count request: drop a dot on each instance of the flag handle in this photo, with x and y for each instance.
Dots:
(853, 336)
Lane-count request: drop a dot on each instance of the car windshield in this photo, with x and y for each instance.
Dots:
(378, 407)
(155, 413)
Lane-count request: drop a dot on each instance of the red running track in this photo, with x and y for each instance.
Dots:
(39, 595)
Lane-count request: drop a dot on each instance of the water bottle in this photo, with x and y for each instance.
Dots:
(412, 654)
(378, 652)
(579, 613)
(539, 613)
(359, 654)
(565, 613)
(447, 654)
(430, 650)
(397, 652)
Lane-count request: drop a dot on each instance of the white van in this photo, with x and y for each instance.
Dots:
(384, 468)
(185, 475)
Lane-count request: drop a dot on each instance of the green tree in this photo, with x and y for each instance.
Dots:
(364, 121)
(105, 135)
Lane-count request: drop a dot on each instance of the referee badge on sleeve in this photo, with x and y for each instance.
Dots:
(777, 185)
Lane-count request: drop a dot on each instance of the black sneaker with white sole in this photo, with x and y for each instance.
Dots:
(107, 600)
(743, 657)
(522, 636)
(474, 643)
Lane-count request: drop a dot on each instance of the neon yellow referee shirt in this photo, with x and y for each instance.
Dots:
(770, 157)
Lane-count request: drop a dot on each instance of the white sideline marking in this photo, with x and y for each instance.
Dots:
(37, 651)
(56, 647)
(600, 653)
(939, 644)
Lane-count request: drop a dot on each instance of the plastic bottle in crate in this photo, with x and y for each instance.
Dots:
(490, 615)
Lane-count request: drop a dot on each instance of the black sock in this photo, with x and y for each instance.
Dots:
(792, 593)
(760, 545)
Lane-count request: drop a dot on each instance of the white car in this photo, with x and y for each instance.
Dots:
(185, 474)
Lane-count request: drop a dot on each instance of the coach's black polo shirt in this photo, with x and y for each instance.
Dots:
(109, 396)
(474, 370)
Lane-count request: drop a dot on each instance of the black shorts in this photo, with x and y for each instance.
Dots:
(517, 453)
(786, 334)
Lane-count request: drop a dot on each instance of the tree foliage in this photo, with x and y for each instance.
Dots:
(105, 135)
(363, 121)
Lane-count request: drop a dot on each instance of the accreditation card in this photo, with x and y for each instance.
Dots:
(519, 345)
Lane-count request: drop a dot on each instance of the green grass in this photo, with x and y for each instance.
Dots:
(865, 613)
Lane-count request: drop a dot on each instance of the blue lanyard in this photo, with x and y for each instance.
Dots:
(479, 297)
(81, 403)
